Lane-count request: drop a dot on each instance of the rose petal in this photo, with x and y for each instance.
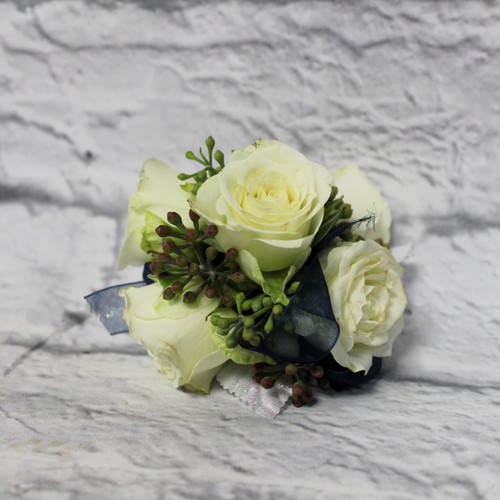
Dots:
(158, 192)
(365, 199)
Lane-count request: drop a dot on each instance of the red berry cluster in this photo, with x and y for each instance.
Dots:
(189, 253)
(266, 375)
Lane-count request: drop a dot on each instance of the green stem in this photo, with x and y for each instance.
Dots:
(260, 312)
(198, 253)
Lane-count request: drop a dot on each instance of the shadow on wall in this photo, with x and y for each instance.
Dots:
(174, 5)
(154, 5)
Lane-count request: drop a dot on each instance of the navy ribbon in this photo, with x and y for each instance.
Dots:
(306, 332)
(109, 306)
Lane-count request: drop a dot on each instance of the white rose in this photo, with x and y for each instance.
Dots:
(176, 336)
(268, 204)
(365, 199)
(158, 192)
(367, 299)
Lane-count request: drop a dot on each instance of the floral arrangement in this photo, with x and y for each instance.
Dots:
(268, 260)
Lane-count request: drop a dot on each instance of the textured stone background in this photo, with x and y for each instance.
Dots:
(88, 90)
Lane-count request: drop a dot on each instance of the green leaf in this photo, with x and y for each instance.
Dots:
(332, 214)
(274, 282)
(190, 187)
(150, 240)
(326, 226)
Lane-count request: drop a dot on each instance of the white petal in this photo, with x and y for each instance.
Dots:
(183, 349)
(158, 191)
(365, 199)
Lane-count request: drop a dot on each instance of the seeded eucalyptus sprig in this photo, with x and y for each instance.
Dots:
(256, 317)
(188, 258)
(208, 170)
(189, 264)
(266, 375)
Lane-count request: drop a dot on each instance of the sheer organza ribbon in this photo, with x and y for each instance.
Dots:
(109, 306)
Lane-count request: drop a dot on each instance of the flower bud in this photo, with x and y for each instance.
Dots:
(190, 235)
(215, 319)
(224, 323)
(346, 212)
(227, 300)
(168, 294)
(256, 340)
(181, 261)
(222, 331)
(176, 286)
(317, 371)
(190, 155)
(168, 245)
(291, 369)
(247, 305)
(231, 254)
(277, 309)
(267, 382)
(163, 231)
(210, 291)
(174, 218)
(269, 324)
(154, 267)
(258, 378)
(267, 301)
(163, 257)
(258, 367)
(231, 342)
(292, 288)
(238, 277)
(297, 401)
(211, 253)
(211, 230)
(257, 303)
(210, 143)
(240, 297)
(248, 322)
(219, 157)
(335, 191)
(189, 297)
(193, 268)
(298, 388)
(248, 334)
(194, 216)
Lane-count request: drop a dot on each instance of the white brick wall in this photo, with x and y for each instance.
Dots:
(88, 90)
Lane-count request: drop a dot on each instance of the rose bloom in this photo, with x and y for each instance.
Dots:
(267, 203)
(367, 299)
(177, 337)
